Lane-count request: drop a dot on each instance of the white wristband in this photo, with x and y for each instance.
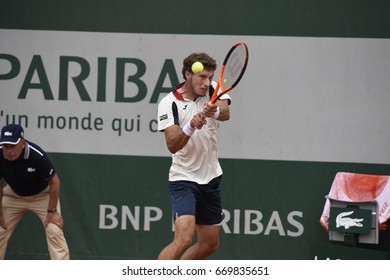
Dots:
(188, 129)
(216, 114)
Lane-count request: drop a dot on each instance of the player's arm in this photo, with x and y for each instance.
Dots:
(224, 110)
(177, 137)
(2, 222)
(54, 193)
(219, 110)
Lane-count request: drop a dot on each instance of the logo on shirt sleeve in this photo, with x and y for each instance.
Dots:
(163, 117)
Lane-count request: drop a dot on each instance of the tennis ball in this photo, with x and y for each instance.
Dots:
(197, 67)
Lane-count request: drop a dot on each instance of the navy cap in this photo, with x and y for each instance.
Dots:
(11, 134)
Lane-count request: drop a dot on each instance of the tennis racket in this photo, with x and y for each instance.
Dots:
(232, 70)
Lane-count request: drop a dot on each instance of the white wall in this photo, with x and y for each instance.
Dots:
(316, 99)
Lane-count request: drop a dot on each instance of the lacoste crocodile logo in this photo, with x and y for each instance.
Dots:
(346, 222)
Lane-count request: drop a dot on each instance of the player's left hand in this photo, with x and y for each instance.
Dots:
(54, 218)
(210, 109)
(2, 222)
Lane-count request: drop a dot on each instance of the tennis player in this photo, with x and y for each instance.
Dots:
(190, 125)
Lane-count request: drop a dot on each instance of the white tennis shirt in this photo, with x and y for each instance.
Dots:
(198, 160)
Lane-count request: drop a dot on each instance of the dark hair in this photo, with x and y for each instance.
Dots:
(207, 61)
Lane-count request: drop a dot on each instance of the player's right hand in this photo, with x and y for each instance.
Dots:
(198, 121)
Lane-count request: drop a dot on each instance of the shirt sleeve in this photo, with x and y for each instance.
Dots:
(46, 168)
(165, 115)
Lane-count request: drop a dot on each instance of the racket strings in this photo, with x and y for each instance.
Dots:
(234, 67)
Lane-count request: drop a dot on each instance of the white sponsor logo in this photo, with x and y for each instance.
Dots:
(236, 221)
(346, 222)
(30, 169)
(7, 133)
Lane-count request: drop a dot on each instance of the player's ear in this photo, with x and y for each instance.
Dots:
(188, 74)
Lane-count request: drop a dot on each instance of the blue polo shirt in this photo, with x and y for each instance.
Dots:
(30, 173)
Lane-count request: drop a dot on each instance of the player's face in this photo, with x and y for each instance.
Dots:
(12, 152)
(201, 82)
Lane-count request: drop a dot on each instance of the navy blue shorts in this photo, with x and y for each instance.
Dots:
(201, 201)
